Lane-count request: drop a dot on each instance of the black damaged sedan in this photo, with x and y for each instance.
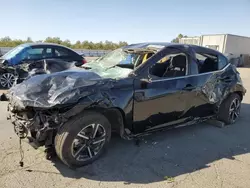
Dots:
(133, 91)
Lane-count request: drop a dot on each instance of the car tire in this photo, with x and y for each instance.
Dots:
(229, 110)
(83, 139)
(7, 80)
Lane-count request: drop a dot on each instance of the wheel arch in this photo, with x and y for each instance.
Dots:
(115, 116)
(6, 70)
(238, 89)
(240, 93)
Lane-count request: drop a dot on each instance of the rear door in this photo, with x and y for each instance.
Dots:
(66, 54)
(210, 76)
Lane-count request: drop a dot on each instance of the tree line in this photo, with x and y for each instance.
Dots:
(106, 45)
(177, 39)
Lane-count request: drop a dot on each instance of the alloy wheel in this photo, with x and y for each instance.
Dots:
(88, 142)
(234, 110)
(7, 80)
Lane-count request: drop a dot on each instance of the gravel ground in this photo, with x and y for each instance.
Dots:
(202, 155)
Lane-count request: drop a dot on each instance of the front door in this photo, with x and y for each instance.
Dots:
(162, 103)
(165, 99)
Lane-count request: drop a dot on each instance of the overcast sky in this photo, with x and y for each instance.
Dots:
(122, 20)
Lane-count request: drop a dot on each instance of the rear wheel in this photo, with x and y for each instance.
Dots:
(230, 109)
(83, 139)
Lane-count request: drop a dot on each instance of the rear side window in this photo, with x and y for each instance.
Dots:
(63, 52)
(222, 62)
(207, 62)
(210, 62)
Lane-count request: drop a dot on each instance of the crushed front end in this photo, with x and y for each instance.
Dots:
(38, 125)
(39, 106)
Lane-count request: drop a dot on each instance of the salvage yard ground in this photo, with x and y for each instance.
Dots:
(199, 156)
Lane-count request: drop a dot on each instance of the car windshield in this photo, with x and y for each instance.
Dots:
(113, 58)
(12, 53)
(107, 65)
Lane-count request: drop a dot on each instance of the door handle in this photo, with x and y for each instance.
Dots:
(188, 87)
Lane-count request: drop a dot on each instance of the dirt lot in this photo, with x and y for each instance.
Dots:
(197, 156)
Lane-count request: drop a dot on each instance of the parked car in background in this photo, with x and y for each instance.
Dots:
(31, 52)
(75, 112)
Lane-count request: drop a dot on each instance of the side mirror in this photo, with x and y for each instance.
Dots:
(145, 82)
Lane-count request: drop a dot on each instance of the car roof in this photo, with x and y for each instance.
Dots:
(168, 44)
(43, 44)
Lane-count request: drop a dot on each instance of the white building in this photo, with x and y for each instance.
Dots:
(190, 40)
(225, 43)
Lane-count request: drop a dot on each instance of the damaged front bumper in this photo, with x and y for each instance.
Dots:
(38, 126)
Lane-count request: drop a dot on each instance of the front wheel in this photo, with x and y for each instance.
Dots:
(7, 80)
(83, 139)
(230, 109)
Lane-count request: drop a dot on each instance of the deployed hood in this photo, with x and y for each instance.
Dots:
(49, 90)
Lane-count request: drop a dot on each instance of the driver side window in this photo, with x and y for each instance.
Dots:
(170, 66)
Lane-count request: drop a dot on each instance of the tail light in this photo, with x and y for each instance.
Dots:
(84, 61)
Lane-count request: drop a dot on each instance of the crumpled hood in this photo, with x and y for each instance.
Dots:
(48, 90)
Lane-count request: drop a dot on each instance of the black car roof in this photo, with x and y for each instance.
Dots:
(45, 44)
(41, 44)
(167, 44)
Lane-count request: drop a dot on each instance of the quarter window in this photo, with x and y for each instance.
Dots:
(222, 62)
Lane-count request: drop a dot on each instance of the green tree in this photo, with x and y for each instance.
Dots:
(66, 43)
(180, 36)
(77, 45)
(106, 45)
(56, 40)
(177, 39)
